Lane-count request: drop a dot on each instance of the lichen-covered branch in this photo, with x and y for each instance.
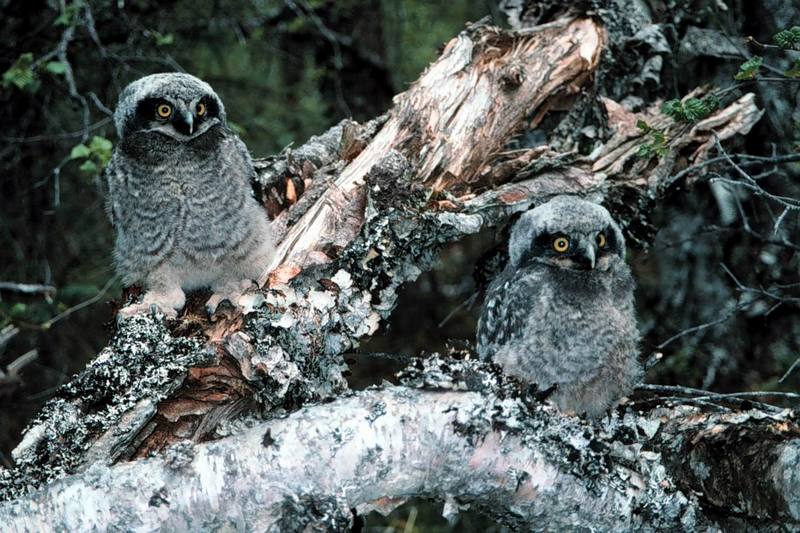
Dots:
(489, 448)
(745, 463)
(311, 469)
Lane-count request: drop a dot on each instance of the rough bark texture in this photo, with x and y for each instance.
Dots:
(363, 209)
(394, 442)
(455, 430)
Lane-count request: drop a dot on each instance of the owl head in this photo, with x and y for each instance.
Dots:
(177, 105)
(568, 233)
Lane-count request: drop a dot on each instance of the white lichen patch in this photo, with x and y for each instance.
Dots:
(343, 279)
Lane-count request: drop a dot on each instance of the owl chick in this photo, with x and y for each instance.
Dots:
(561, 313)
(180, 196)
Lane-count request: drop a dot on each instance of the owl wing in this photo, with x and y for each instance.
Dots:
(120, 202)
(110, 177)
(243, 158)
(510, 300)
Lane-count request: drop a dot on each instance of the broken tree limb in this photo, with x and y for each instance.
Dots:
(363, 209)
(755, 452)
(496, 76)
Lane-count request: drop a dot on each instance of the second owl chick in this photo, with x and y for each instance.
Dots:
(562, 313)
(180, 196)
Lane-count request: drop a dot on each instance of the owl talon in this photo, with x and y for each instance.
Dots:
(533, 396)
(230, 293)
(146, 308)
(543, 394)
(216, 302)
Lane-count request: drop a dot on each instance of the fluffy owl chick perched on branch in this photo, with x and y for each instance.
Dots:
(180, 196)
(561, 313)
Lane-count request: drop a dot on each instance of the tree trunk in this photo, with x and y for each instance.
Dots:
(362, 209)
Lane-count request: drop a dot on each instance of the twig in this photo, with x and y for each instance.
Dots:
(57, 136)
(700, 327)
(780, 80)
(465, 304)
(6, 334)
(27, 288)
(81, 305)
(745, 159)
(653, 360)
(10, 378)
(13, 368)
(750, 183)
(308, 12)
(788, 372)
(704, 395)
(744, 288)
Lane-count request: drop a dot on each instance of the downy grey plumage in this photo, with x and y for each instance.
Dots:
(562, 311)
(180, 196)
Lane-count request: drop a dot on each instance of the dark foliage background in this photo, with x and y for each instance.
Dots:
(289, 69)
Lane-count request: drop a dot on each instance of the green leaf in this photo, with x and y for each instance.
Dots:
(21, 74)
(62, 20)
(712, 102)
(69, 17)
(101, 150)
(692, 110)
(695, 109)
(100, 144)
(162, 39)
(80, 151)
(645, 151)
(642, 125)
(788, 39)
(88, 167)
(657, 144)
(794, 72)
(749, 69)
(673, 108)
(55, 67)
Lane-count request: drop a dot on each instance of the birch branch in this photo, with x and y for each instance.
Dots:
(528, 466)
(306, 472)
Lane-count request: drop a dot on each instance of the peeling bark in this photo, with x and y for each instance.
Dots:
(753, 451)
(362, 209)
(489, 448)
(310, 469)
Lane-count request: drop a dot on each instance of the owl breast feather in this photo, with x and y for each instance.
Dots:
(217, 198)
(194, 204)
(540, 330)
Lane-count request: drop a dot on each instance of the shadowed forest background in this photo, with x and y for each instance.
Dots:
(717, 267)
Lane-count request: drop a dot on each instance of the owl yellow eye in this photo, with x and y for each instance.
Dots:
(163, 110)
(601, 240)
(561, 244)
(201, 109)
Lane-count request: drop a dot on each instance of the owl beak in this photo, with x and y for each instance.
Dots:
(586, 257)
(184, 122)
